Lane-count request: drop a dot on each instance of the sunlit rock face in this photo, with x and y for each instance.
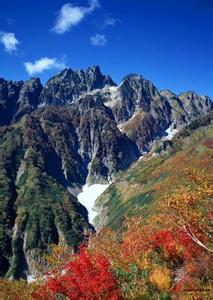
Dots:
(69, 85)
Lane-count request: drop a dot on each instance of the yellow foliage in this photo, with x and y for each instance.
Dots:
(161, 278)
(106, 243)
(190, 203)
(144, 261)
(58, 257)
(16, 290)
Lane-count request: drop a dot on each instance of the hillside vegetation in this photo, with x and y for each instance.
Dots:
(35, 209)
(140, 190)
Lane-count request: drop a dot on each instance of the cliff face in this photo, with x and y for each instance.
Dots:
(140, 111)
(143, 113)
(18, 99)
(68, 86)
(79, 127)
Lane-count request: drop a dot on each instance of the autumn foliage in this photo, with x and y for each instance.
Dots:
(166, 256)
(85, 276)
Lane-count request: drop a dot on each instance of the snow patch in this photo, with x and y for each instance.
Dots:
(64, 168)
(115, 97)
(170, 132)
(88, 197)
(110, 94)
(43, 104)
(30, 278)
(121, 126)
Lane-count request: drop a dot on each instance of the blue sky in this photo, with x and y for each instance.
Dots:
(168, 42)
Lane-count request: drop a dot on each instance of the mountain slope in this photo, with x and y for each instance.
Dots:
(42, 157)
(36, 210)
(142, 187)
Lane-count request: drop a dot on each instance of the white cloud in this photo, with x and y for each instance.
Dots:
(43, 64)
(9, 41)
(98, 40)
(93, 4)
(70, 15)
(109, 22)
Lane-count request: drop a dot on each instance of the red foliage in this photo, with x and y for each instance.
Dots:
(86, 277)
(190, 248)
(179, 246)
(165, 240)
(186, 284)
(176, 244)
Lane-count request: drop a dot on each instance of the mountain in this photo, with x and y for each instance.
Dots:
(143, 113)
(79, 127)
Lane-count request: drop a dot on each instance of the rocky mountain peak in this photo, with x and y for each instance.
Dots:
(93, 69)
(195, 104)
(139, 84)
(132, 76)
(188, 93)
(96, 80)
(68, 86)
(66, 73)
(167, 93)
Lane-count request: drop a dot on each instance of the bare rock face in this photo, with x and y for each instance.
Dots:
(86, 141)
(9, 93)
(101, 142)
(150, 115)
(140, 111)
(18, 98)
(69, 85)
(195, 105)
(187, 106)
(28, 98)
(143, 113)
(178, 115)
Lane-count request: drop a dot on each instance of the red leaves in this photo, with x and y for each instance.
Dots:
(86, 277)
(177, 244)
(165, 240)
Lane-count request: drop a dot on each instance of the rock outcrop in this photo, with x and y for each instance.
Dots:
(69, 85)
(18, 99)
